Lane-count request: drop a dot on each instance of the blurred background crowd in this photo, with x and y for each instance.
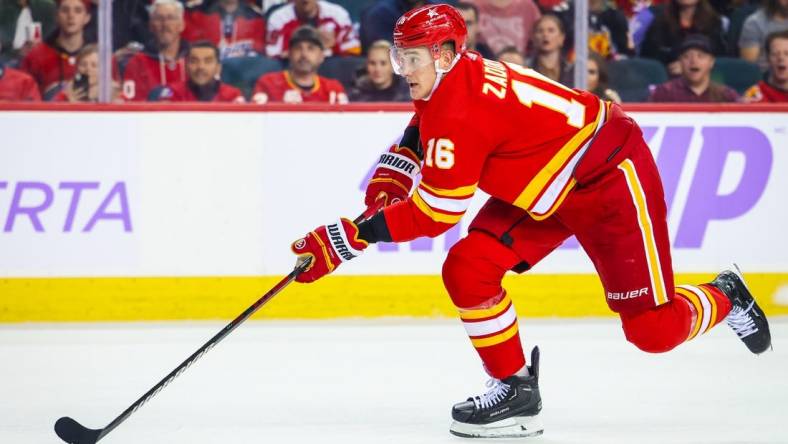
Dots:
(338, 51)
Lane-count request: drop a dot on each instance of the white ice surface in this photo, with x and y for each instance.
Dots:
(390, 381)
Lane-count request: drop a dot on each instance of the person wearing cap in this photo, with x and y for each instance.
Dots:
(332, 21)
(694, 85)
(299, 82)
(53, 61)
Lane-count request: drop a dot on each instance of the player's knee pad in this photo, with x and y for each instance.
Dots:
(657, 330)
(474, 268)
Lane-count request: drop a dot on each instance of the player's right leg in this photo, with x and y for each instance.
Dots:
(472, 275)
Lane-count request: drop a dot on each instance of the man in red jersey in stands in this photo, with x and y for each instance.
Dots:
(232, 25)
(556, 162)
(53, 61)
(300, 83)
(204, 84)
(773, 89)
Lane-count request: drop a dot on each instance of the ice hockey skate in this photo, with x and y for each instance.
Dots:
(510, 409)
(746, 318)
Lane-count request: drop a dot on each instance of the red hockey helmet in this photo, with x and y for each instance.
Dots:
(430, 26)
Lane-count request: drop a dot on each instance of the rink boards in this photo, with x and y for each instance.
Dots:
(188, 213)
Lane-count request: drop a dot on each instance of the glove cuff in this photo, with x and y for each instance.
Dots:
(346, 247)
(399, 163)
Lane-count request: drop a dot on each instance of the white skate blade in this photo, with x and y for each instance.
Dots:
(514, 427)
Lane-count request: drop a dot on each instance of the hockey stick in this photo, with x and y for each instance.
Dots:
(73, 432)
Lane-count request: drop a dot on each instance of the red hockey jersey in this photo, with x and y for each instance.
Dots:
(17, 86)
(501, 128)
(225, 93)
(762, 92)
(279, 87)
(147, 71)
(49, 65)
(237, 35)
(331, 18)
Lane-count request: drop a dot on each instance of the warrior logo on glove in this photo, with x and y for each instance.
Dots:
(328, 246)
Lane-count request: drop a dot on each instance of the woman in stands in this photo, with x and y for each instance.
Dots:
(548, 42)
(378, 83)
(680, 18)
(598, 78)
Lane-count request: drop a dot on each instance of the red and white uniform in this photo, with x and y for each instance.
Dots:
(762, 92)
(557, 162)
(49, 65)
(279, 87)
(149, 70)
(330, 18)
(237, 35)
(225, 93)
(17, 86)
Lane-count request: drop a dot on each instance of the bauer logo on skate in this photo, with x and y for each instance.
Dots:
(88, 204)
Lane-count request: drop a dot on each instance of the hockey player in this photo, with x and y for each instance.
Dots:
(557, 162)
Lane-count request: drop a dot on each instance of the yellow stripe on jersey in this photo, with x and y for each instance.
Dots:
(569, 186)
(646, 231)
(693, 299)
(467, 314)
(497, 339)
(437, 216)
(465, 191)
(541, 180)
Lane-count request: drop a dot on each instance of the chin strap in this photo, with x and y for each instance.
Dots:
(441, 73)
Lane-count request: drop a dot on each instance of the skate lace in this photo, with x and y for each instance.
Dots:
(493, 396)
(741, 321)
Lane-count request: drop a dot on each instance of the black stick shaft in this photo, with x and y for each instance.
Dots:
(205, 348)
(211, 343)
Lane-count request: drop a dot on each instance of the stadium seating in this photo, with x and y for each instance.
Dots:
(738, 17)
(632, 78)
(341, 68)
(737, 73)
(243, 72)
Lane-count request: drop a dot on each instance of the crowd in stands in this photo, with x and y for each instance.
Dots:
(337, 51)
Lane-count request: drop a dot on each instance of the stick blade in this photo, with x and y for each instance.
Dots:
(73, 432)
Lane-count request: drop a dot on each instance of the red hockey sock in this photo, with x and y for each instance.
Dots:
(708, 304)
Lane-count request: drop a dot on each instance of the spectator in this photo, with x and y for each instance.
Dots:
(608, 31)
(377, 20)
(84, 87)
(549, 59)
(470, 13)
(203, 69)
(598, 78)
(697, 60)
(507, 23)
(775, 87)
(770, 18)
(53, 61)
(300, 82)
(232, 25)
(331, 20)
(379, 84)
(162, 63)
(17, 86)
(679, 19)
(510, 54)
(23, 23)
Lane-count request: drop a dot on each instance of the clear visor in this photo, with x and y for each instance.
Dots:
(407, 60)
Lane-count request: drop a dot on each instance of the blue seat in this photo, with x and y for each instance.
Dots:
(343, 69)
(739, 74)
(243, 72)
(633, 78)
